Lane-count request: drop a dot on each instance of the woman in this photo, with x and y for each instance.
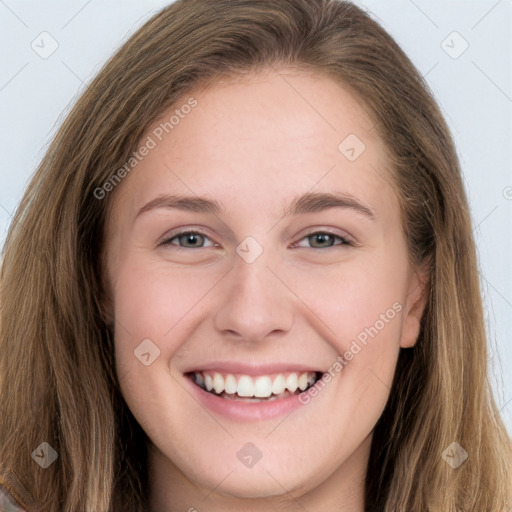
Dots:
(255, 370)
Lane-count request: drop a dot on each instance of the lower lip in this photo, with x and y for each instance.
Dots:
(245, 411)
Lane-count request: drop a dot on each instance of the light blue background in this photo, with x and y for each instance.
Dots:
(473, 90)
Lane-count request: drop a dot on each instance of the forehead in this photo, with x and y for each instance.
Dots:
(255, 140)
(286, 113)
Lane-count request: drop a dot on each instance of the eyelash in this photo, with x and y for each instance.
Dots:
(344, 241)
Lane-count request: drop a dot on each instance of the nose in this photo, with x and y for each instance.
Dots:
(254, 302)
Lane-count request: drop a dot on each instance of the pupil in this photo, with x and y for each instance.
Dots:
(322, 238)
(191, 238)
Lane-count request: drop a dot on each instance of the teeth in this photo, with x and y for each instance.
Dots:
(245, 386)
(292, 382)
(303, 381)
(263, 387)
(218, 383)
(199, 379)
(230, 385)
(279, 385)
(259, 387)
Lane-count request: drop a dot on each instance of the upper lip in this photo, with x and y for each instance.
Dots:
(253, 368)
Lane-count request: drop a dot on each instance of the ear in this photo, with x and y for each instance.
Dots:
(418, 288)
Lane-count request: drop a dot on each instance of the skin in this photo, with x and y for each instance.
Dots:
(253, 145)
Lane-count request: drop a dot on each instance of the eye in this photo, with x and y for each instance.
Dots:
(191, 239)
(324, 239)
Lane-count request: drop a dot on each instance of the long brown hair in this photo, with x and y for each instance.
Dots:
(57, 372)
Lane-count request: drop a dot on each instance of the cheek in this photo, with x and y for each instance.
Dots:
(152, 297)
(153, 310)
(157, 307)
(358, 307)
(350, 297)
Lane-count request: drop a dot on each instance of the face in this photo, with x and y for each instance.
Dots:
(230, 266)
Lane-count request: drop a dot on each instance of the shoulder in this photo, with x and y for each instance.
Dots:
(7, 500)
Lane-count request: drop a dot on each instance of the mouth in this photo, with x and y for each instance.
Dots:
(254, 389)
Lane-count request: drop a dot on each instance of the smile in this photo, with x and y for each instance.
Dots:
(260, 388)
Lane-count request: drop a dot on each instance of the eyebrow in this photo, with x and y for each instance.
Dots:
(310, 202)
